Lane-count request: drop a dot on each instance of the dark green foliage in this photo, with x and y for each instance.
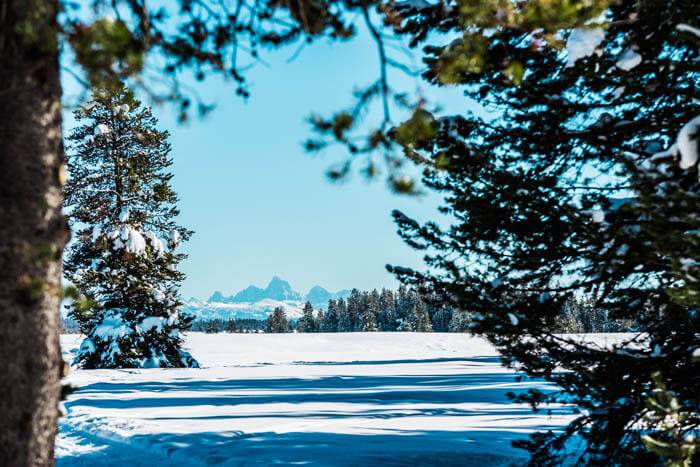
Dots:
(277, 321)
(564, 192)
(307, 323)
(246, 325)
(124, 260)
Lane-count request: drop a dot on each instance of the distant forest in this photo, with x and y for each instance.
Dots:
(403, 310)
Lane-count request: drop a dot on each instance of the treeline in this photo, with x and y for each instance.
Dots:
(228, 325)
(389, 311)
(406, 310)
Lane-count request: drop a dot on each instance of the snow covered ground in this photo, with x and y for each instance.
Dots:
(315, 399)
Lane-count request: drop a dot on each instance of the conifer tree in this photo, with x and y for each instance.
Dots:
(330, 321)
(585, 183)
(420, 319)
(319, 321)
(277, 321)
(306, 322)
(354, 308)
(387, 306)
(370, 309)
(124, 259)
(345, 321)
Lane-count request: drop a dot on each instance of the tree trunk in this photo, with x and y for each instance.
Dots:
(32, 231)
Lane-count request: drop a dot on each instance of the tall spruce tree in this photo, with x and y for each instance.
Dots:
(369, 312)
(330, 320)
(345, 321)
(277, 321)
(124, 260)
(306, 322)
(585, 183)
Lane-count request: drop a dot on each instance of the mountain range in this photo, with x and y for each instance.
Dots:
(256, 302)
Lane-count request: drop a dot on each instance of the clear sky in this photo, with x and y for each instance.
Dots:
(260, 206)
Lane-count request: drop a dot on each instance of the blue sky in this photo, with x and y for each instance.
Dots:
(259, 205)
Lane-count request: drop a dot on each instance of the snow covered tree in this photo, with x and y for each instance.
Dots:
(124, 260)
(354, 309)
(420, 319)
(319, 321)
(330, 320)
(306, 322)
(345, 320)
(368, 314)
(277, 321)
(387, 311)
(582, 181)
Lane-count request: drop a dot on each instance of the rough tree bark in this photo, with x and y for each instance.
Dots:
(32, 231)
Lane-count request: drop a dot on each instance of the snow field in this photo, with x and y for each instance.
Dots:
(312, 399)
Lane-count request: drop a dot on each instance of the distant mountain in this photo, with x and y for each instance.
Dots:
(318, 296)
(249, 294)
(277, 289)
(255, 302)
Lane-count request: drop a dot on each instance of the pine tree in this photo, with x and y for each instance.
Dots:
(354, 310)
(585, 183)
(277, 321)
(460, 321)
(370, 309)
(420, 319)
(306, 322)
(124, 259)
(386, 319)
(231, 326)
(320, 321)
(345, 321)
(330, 321)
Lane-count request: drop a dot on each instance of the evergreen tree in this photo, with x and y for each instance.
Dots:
(386, 319)
(345, 321)
(402, 310)
(231, 326)
(420, 319)
(586, 183)
(354, 310)
(277, 321)
(330, 321)
(440, 316)
(319, 321)
(460, 321)
(124, 259)
(370, 309)
(306, 322)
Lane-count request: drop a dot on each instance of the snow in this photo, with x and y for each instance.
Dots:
(582, 43)
(598, 216)
(124, 215)
(628, 60)
(151, 322)
(102, 129)
(313, 399)
(688, 28)
(416, 4)
(687, 143)
(513, 319)
(111, 327)
(156, 243)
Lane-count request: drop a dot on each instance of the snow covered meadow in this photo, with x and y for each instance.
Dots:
(314, 399)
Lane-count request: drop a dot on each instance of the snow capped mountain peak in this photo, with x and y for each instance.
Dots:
(279, 289)
(217, 296)
(256, 302)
